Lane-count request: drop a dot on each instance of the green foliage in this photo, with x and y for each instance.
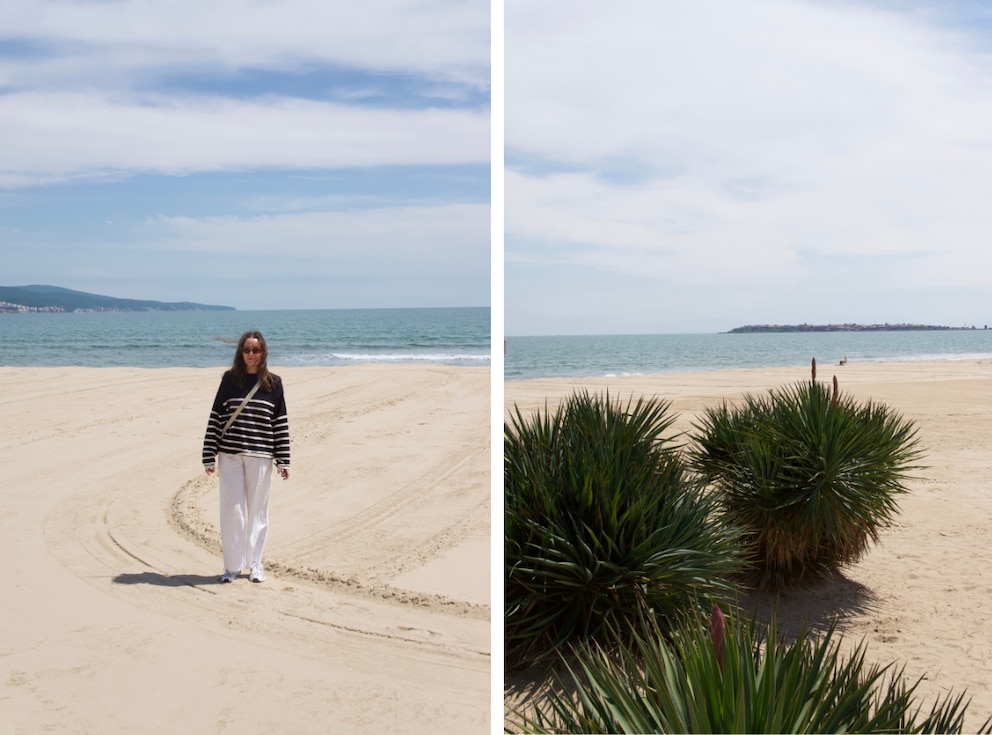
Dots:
(811, 477)
(602, 524)
(757, 683)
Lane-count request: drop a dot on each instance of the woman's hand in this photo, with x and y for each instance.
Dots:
(284, 471)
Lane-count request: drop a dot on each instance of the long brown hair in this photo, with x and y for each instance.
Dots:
(240, 369)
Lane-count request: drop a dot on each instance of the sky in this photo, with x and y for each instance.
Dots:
(288, 154)
(676, 167)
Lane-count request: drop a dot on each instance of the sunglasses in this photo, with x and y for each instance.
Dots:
(251, 350)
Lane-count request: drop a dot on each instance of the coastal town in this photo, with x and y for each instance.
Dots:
(8, 308)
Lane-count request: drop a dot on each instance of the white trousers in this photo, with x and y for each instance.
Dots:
(244, 508)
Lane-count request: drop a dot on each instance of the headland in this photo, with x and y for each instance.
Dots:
(761, 328)
(54, 299)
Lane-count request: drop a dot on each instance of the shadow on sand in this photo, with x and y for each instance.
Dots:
(162, 580)
(835, 599)
(816, 606)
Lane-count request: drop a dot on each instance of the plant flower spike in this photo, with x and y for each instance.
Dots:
(718, 627)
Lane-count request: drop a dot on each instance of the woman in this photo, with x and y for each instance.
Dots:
(243, 439)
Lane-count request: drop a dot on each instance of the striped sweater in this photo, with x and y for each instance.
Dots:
(260, 430)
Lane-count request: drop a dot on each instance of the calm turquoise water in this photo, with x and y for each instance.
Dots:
(606, 355)
(207, 338)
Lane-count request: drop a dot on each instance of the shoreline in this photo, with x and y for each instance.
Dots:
(916, 597)
(712, 381)
(376, 611)
(952, 358)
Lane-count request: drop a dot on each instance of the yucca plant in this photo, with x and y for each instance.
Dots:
(810, 475)
(602, 523)
(747, 680)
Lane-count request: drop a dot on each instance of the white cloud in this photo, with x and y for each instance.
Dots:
(286, 100)
(63, 135)
(718, 142)
(87, 89)
(446, 39)
(689, 82)
(391, 256)
(449, 237)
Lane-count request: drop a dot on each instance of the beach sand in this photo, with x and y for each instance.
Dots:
(918, 597)
(375, 616)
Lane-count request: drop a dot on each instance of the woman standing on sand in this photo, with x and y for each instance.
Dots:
(247, 432)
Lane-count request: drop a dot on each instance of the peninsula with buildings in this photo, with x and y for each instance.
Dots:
(53, 299)
(772, 328)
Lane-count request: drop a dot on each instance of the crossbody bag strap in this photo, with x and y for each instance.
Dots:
(238, 410)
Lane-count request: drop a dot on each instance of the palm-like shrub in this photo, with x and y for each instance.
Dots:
(810, 476)
(602, 523)
(750, 681)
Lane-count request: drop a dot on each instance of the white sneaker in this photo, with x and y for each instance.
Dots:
(228, 577)
(257, 573)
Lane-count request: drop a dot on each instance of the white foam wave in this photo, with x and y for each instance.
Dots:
(406, 357)
(344, 358)
(934, 357)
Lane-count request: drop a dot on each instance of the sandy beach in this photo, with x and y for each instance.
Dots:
(375, 616)
(918, 597)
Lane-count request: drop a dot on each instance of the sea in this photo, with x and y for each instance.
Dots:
(331, 337)
(645, 354)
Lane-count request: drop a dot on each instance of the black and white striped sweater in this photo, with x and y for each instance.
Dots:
(260, 430)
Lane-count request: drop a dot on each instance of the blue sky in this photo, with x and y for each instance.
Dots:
(692, 167)
(287, 154)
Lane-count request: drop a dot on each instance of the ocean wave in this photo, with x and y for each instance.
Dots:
(345, 358)
(410, 357)
(933, 357)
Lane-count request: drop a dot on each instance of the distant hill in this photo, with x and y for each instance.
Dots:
(54, 298)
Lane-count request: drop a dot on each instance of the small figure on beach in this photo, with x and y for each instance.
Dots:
(844, 361)
(247, 434)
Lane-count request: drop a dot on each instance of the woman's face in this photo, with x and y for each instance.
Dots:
(252, 354)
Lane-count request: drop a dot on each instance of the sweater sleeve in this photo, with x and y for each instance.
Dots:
(211, 437)
(280, 431)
